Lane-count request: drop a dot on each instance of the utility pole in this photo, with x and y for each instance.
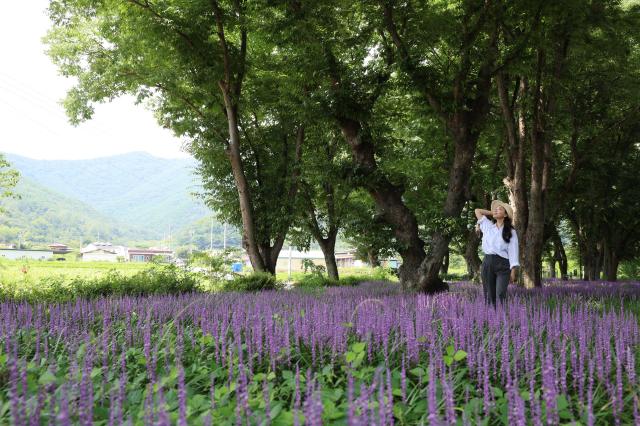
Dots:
(289, 263)
(224, 238)
(211, 236)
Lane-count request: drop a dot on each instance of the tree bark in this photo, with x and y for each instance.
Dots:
(373, 259)
(516, 132)
(388, 199)
(328, 247)
(560, 255)
(463, 123)
(444, 268)
(610, 262)
(471, 256)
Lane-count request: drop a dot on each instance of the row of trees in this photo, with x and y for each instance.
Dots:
(388, 121)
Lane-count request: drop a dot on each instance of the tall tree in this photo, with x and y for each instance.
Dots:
(190, 62)
(537, 95)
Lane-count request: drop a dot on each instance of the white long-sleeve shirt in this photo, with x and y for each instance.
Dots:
(493, 243)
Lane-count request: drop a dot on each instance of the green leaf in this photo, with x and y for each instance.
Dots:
(450, 350)
(561, 402)
(498, 392)
(347, 324)
(459, 355)
(447, 359)
(350, 356)
(95, 372)
(46, 378)
(275, 410)
(358, 347)
(418, 371)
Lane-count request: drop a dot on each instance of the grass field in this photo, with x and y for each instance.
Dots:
(31, 272)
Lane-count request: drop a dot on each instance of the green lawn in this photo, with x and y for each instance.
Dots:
(32, 271)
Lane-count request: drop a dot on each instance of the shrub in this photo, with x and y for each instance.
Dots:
(256, 281)
(315, 280)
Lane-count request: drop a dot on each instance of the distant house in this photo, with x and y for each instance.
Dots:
(16, 254)
(146, 255)
(343, 259)
(59, 248)
(103, 252)
(106, 252)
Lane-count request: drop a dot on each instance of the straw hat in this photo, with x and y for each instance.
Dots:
(507, 207)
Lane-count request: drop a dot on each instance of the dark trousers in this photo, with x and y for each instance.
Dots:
(495, 278)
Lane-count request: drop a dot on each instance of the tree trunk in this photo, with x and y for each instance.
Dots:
(516, 179)
(463, 123)
(328, 247)
(249, 241)
(471, 256)
(332, 265)
(610, 263)
(373, 259)
(592, 262)
(444, 268)
(559, 255)
(552, 267)
(266, 253)
(465, 148)
(388, 199)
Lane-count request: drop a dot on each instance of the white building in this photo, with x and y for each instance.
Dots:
(104, 252)
(16, 254)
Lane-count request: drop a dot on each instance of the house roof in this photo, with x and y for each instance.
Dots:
(150, 251)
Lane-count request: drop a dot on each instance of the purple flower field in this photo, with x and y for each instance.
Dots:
(367, 355)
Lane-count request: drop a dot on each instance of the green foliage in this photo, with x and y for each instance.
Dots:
(257, 281)
(158, 279)
(319, 281)
(8, 178)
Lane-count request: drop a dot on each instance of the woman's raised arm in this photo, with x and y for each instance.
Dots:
(482, 212)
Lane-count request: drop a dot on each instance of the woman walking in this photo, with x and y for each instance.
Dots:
(500, 248)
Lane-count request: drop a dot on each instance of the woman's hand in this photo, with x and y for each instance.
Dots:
(482, 212)
(514, 276)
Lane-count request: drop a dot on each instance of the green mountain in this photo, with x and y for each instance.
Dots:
(136, 189)
(41, 216)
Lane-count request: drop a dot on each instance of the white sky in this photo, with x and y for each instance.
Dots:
(32, 121)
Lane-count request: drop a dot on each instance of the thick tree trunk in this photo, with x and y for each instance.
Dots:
(388, 199)
(465, 146)
(373, 259)
(329, 252)
(552, 267)
(463, 122)
(516, 131)
(267, 255)
(559, 255)
(610, 263)
(444, 268)
(592, 262)
(471, 256)
(328, 247)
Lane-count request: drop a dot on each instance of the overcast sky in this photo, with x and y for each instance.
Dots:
(32, 121)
